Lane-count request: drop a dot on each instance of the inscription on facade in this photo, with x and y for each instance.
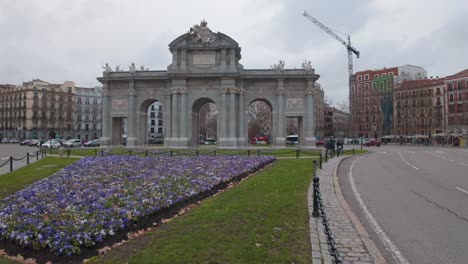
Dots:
(204, 59)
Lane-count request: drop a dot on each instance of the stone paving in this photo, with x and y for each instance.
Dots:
(352, 241)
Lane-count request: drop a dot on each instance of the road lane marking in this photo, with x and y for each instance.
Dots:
(460, 189)
(463, 164)
(388, 244)
(401, 156)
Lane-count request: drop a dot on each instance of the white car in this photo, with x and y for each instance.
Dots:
(72, 143)
(51, 144)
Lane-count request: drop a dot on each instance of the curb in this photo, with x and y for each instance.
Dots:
(370, 245)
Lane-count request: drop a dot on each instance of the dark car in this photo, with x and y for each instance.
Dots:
(372, 142)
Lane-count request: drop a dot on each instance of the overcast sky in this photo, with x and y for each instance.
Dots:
(58, 40)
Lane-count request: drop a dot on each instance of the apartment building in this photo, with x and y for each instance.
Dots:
(371, 102)
(36, 109)
(87, 113)
(419, 107)
(456, 107)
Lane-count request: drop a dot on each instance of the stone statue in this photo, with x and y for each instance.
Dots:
(117, 69)
(132, 68)
(142, 68)
(201, 33)
(307, 66)
(107, 69)
(279, 66)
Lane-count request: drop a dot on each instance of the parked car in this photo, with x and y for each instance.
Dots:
(25, 142)
(372, 142)
(320, 142)
(34, 142)
(72, 143)
(93, 143)
(51, 144)
(155, 141)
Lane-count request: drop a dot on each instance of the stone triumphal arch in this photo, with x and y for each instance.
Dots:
(205, 68)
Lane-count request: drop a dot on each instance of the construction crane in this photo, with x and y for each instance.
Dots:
(348, 46)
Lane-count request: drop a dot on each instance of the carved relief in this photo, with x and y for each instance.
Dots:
(295, 103)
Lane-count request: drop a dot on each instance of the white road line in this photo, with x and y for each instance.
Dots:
(408, 162)
(460, 189)
(396, 254)
(463, 164)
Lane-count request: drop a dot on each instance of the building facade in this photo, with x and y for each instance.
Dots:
(36, 109)
(419, 107)
(371, 101)
(87, 113)
(456, 107)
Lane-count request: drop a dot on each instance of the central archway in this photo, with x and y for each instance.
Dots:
(204, 122)
(151, 126)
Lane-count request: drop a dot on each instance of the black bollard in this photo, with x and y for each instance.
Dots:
(171, 153)
(248, 152)
(315, 213)
(130, 152)
(146, 153)
(197, 153)
(102, 153)
(320, 164)
(27, 158)
(95, 152)
(11, 163)
(37, 155)
(258, 152)
(353, 151)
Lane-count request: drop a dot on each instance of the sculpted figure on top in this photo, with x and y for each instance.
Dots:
(307, 66)
(202, 34)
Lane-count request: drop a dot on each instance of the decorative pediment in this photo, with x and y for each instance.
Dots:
(200, 36)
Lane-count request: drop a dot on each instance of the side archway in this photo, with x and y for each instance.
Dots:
(260, 122)
(151, 128)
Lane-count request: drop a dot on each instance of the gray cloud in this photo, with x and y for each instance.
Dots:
(59, 40)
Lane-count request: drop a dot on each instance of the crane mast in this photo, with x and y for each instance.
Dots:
(348, 45)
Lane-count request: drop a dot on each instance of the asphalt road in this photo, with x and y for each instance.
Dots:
(418, 196)
(16, 151)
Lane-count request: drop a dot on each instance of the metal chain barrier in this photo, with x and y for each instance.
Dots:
(318, 206)
(11, 159)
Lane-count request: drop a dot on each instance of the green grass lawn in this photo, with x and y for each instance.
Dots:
(20, 178)
(262, 220)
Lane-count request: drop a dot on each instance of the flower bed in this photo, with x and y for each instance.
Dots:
(96, 197)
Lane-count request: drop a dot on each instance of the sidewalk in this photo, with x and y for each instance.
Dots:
(352, 241)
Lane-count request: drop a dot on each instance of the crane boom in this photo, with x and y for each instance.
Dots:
(348, 45)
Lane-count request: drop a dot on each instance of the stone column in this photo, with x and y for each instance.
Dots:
(223, 60)
(174, 114)
(167, 119)
(226, 139)
(280, 140)
(131, 115)
(309, 128)
(106, 116)
(183, 140)
(222, 136)
(242, 113)
(232, 115)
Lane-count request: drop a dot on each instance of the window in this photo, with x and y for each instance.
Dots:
(451, 98)
(459, 97)
(86, 128)
(459, 85)
(69, 89)
(376, 76)
(153, 122)
(450, 87)
(359, 77)
(390, 74)
(366, 76)
(383, 74)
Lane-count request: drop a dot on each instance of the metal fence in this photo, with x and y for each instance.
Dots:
(28, 157)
